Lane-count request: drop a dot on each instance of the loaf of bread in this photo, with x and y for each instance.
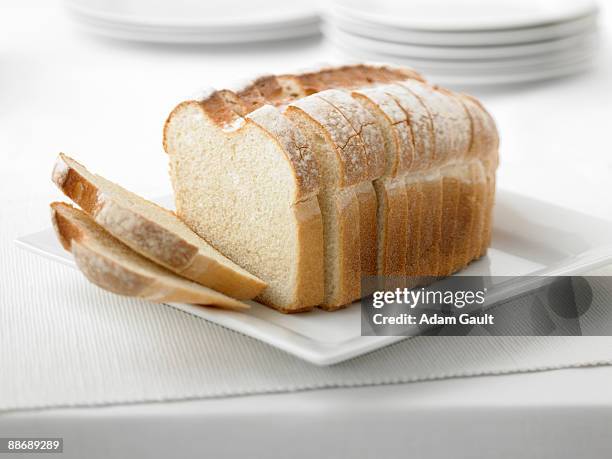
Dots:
(312, 181)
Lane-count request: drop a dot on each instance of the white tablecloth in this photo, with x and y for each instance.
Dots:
(105, 103)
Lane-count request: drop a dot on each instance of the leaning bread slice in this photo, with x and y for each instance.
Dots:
(423, 186)
(341, 158)
(115, 267)
(452, 137)
(392, 214)
(152, 231)
(485, 146)
(369, 132)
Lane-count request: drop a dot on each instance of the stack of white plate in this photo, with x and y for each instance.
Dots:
(470, 42)
(196, 21)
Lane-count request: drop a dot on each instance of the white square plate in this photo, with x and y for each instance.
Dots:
(529, 238)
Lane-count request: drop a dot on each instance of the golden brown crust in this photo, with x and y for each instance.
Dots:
(349, 264)
(450, 203)
(485, 147)
(309, 287)
(393, 247)
(415, 203)
(282, 89)
(430, 222)
(368, 229)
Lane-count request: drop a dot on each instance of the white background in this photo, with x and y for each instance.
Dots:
(105, 102)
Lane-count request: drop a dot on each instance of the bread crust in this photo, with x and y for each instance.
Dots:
(308, 291)
(349, 264)
(485, 148)
(349, 149)
(149, 238)
(282, 89)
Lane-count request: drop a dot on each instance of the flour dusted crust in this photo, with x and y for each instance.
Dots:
(364, 124)
(294, 144)
(443, 171)
(448, 116)
(399, 120)
(349, 146)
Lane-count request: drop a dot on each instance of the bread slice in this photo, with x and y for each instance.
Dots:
(341, 158)
(367, 129)
(115, 267)
(452, 137)
(484, 149)
(152, 231)
(250, 185)
(392, 212)
(423, 187)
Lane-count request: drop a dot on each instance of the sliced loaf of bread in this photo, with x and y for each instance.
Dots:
(427, 137)
(152, 231)
(113, 266)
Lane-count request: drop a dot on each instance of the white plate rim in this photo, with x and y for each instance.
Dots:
(509, 65)
(490, 79)
(306, 14)
(138, 34)
(589, 38)
(570, 9)
(463, 38)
